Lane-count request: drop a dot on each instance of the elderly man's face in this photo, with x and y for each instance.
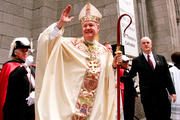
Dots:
(90, 30)
(146, 45)
(21, 53)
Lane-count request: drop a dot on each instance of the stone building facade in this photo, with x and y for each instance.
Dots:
(157, 19)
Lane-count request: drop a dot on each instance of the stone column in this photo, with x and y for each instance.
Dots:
(142, 15)
(177, 7)
(173, 17)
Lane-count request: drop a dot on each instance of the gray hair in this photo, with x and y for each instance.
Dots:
(146, 38)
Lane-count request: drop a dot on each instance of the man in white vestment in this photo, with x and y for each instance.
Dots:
(175, 75)
(75, 77)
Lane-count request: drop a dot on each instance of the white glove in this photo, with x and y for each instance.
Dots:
(29, 60)
(31, 98)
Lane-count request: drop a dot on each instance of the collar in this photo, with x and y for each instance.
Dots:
(18, 60)
(89, 42)
(150, 54)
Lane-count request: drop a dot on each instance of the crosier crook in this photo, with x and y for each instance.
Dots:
(118, 66)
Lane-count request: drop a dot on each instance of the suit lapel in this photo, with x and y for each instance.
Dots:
(143, 58)
(156, 58)
(145, 62)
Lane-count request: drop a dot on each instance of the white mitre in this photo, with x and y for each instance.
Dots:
(90, 13)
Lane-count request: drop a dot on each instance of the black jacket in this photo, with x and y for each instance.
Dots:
(19, 87)
(153, 85)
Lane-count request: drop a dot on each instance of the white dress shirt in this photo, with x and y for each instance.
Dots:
(151, 58)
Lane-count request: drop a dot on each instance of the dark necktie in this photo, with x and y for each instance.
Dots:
(150, 62)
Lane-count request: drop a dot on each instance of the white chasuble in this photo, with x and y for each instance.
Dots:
(74, 79)
(175, 107)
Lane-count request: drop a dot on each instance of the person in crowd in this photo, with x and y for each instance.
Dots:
(128, 90)
(154, 82)
(75, 77)
(17, 83)
(175, 75)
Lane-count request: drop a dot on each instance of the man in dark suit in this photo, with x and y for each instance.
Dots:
(155, 82)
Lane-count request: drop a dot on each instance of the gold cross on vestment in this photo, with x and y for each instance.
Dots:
(93, 65)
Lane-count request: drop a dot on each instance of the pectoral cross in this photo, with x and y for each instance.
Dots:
(93, 65)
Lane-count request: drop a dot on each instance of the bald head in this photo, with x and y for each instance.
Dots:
(146, 45)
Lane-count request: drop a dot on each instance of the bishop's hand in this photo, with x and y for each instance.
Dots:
(65, 17)
(117, 60)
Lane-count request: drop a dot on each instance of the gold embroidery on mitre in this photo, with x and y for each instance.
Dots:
(90, 18)
(88, 9)
(90, 13)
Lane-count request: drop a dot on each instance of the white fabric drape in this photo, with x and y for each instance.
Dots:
(59, 75)
(175, 107)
